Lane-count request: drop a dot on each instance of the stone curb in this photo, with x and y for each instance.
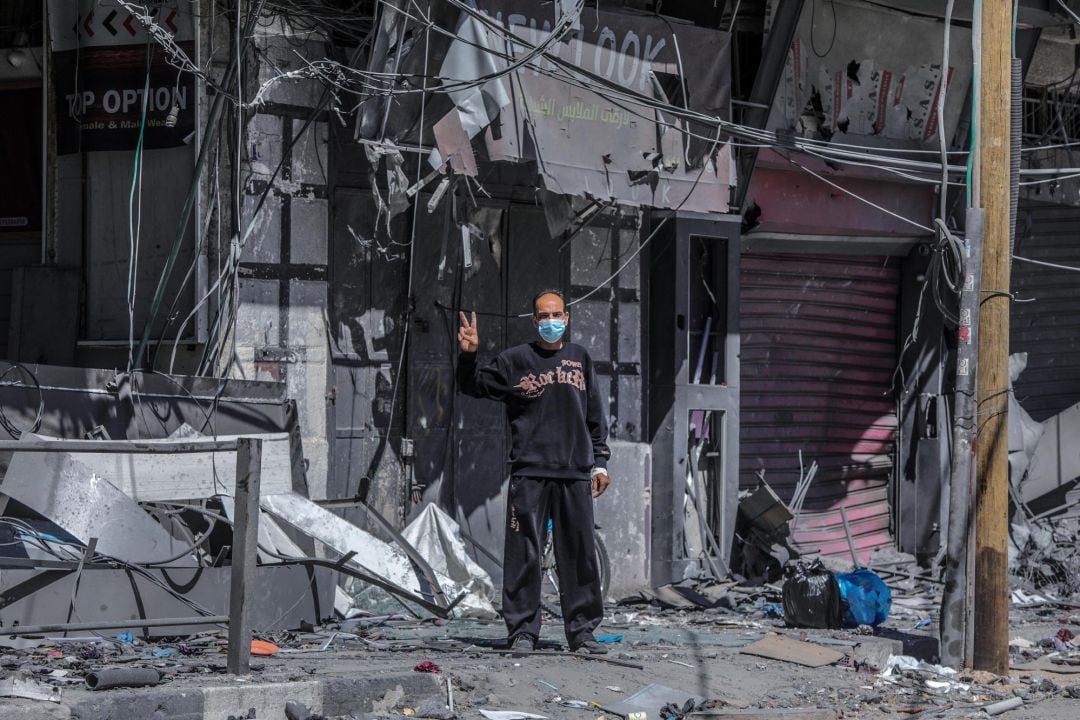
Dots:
(331, 695)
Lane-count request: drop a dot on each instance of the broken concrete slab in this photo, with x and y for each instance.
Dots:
(876, 651)
(21, 685)
(329, 696)
(785, 649)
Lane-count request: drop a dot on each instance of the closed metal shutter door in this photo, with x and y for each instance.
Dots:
(819, 346)
(15, 252)
(1048, 329)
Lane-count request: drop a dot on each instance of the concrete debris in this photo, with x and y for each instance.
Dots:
(434, 708)
(469, 655)
(298, 711)
(21, 686)
(1044, 560)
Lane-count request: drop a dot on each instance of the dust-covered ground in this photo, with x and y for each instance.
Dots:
(694, 653)
(698, 654)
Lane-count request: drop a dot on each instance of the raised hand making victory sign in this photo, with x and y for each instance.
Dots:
(467, 336)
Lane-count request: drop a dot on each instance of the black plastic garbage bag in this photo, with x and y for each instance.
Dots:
(812, 597)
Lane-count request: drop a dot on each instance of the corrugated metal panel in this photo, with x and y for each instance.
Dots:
(819, 347)
(1048, 329)
(15, 251)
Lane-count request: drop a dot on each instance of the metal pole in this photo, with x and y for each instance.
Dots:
(131, 447)
(955, 630)
(244, 553)
(992, 436)
(855, 565)
(773, 60)
(44, 132)
(113, 625)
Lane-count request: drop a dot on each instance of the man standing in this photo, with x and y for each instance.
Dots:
(558, 459)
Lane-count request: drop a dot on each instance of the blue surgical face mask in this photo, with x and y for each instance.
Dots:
(552, 330)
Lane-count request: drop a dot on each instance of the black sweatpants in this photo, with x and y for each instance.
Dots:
(569, 504)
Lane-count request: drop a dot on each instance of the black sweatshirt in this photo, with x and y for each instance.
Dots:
(557, 424)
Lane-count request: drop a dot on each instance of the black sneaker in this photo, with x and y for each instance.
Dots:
(590, 647)
(522, 645)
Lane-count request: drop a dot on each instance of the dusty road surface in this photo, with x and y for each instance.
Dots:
(695, 654)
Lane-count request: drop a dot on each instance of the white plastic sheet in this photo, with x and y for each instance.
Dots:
(510, 715)
(437, 537)
(900, 663)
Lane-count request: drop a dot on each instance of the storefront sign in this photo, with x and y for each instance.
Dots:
(106, 67)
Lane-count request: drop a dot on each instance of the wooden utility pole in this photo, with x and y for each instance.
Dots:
(992, 438)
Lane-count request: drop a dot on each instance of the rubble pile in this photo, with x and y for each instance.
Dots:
(1044, 558)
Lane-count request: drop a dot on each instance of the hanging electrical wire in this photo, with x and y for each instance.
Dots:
(513, 51)
(174, 54)
(941, 95)
(135, 214)
(12, 429)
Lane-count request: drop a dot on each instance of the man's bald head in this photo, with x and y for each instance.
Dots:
(543, 301)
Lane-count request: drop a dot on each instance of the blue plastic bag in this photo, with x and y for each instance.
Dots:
(865, 597)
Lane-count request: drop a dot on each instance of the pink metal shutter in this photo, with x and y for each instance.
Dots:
(819, 346)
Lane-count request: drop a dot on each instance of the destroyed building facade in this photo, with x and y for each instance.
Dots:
(312, 189)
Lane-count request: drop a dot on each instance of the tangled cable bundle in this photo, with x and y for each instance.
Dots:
(12, 429)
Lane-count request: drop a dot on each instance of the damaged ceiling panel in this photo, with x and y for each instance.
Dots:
(87, 505)
(184, 476)
(847, 81)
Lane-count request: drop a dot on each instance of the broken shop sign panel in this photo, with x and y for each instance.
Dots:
(859, 82)
(631, 160)
(586, 110)
(594, 141)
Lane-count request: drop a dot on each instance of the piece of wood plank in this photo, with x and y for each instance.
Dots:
(785, 649)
